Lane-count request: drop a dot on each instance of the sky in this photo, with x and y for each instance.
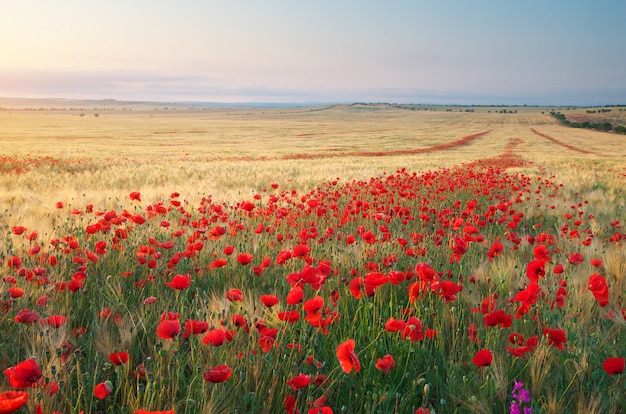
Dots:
(534, 52)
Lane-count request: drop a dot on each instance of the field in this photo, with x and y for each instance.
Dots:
(346, 258)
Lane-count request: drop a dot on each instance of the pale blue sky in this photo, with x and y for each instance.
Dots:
(498, 52)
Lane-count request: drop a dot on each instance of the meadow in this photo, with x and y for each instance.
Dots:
(345, 258)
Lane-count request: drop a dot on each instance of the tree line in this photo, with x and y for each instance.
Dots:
(599, 126)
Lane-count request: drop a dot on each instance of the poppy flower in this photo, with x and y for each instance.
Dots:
(179, 282)
(11, 401)
(299, 381)
(613, 365)
(118, 358)
(18, 230)
(355, 287)
(234, 295)
(266, 343)
(215, 337)
(576, 258)
(348, 360)
(103, 389)
(15, 292)
(25, 374)
(168, 328)
(556, 337)
(385, 364)
(218, 263)
(289, 316)
(26, 316)
(220, 373)
(598, 286)
(482, 358)
(269, 300)
(56, 321)
(135, 195)
(413, 330)
(596, 262)
(195, 327)
(244, 258)
(295, 296)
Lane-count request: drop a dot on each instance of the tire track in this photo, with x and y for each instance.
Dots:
(564, 145)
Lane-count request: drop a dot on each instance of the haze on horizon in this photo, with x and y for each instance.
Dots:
(449, 52)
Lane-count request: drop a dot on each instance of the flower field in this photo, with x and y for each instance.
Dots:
(492, 283)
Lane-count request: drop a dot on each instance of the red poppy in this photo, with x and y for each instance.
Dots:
(266, 343)
(195, 327)
(498, 317)
(347, 358)
(556, 337)
(355, 287)
(394, 325)
(56, 321)
(299, 381)
(234, 295)
(25, 374)
(103, 389)
(118, 358)
(135, 195)
(180, 282)
(269, 300)
(15, 292)
(244, 258)
(576, 258)
(535, 270)
(289, 316)
(598, 286)
(217, 232)
(385, 364)
(482, 358)
(596, 262)
(18, 230)
(168, 328)
(218, 263)
(11, 401)
(413, 329)
(215, 337)
(220, 373)
(613, 365)
(295, 296)
(313, 307)
(26, 316)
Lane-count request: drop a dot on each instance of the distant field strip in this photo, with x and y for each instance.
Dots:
(556, 141)
(441, 147)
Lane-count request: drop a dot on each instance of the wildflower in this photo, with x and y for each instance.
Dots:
(220, 373)
(299, 381)
(347, 358)
(11, 401)
(269, 300)
(385, 364)
(103, 389)
(118, 358)
(613, 365)
(520, 396)
(598, 286)
(482, 358)
(25, 374)
(179, 282)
